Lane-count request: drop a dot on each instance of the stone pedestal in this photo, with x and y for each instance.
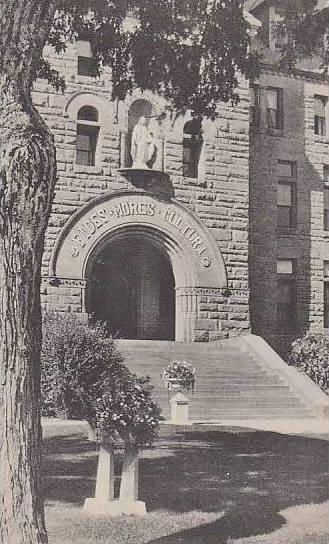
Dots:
(104, 503)
(154, 181)
(104, 493)
(179, 404)
(129, 484)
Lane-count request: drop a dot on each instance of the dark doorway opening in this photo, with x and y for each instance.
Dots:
(132, 289)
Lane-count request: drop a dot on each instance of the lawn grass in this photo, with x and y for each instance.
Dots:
(201, 485)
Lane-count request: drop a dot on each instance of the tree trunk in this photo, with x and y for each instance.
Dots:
(27, 177)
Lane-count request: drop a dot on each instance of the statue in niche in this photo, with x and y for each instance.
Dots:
(143, 147)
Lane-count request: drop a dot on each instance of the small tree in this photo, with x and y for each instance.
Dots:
(76, 359)
(311, 355)
(83, 377)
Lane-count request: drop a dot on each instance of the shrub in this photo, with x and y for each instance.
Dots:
(75, 360)
(83, 377)
(311, 355)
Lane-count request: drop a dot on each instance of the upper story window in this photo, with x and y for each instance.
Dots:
(274, 108)
(277, 35)
(326, 294)
(286, 195)
(320, 104)
(86, 62)
(255, 106)
(87, 136)
(192, 146)
(326, 197)
(286, 293)
(326, 174)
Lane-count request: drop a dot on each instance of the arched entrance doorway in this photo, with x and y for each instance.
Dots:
(148, 245)
(132, 289)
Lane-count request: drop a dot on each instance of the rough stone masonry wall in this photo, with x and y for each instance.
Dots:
(219, 197)
(306, 244)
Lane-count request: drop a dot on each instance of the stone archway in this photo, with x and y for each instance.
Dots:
(166, 226)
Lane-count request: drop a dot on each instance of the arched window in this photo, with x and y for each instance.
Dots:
(87, 135)
(88, 113)
(192, 145)
(139, 108)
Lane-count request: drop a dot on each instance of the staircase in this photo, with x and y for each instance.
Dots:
(232, 382)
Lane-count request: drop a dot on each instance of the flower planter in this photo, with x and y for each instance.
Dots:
(179, 376)
(173, 384)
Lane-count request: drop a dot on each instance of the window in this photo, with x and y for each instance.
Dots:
(254, 106)
(286, 294)
(274, 108)
(326, 294)
(86, 62)
(326, 197)
(192, 145)
(320, 103)
(286, 195)
(326, 209)
(278, 35)
(87, 136)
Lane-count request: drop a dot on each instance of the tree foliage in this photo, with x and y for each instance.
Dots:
(306, 25)
(83, 377)
(189, 51)
(310, 354)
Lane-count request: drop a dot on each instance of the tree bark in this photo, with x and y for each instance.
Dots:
(27, 177)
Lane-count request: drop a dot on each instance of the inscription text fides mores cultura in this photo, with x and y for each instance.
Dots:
(87, 228)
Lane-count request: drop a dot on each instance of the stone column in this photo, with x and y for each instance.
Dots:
(186, 313)
(105, 474)
(129, 483)
(104, 494)
(123, 137)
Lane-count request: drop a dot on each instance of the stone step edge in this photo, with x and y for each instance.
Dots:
(298, 382)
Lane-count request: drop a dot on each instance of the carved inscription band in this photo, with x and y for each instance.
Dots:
(159, 212)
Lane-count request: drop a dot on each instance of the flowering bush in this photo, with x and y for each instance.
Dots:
(311, 355)
(83, 377)
(126, 411)
(180, 371)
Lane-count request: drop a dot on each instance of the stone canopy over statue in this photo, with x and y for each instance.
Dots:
(142, 145)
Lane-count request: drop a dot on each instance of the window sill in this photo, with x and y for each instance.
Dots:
(274, 131)
(83, 169)
(321, 139)
(88, 80)
(287, 232)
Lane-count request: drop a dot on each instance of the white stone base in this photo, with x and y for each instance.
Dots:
(114, 508)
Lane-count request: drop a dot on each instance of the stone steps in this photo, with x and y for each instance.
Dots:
(231, 383)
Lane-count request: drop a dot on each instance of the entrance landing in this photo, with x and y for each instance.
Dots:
(236, 379)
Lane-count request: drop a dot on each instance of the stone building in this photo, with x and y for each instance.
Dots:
(226, 233)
